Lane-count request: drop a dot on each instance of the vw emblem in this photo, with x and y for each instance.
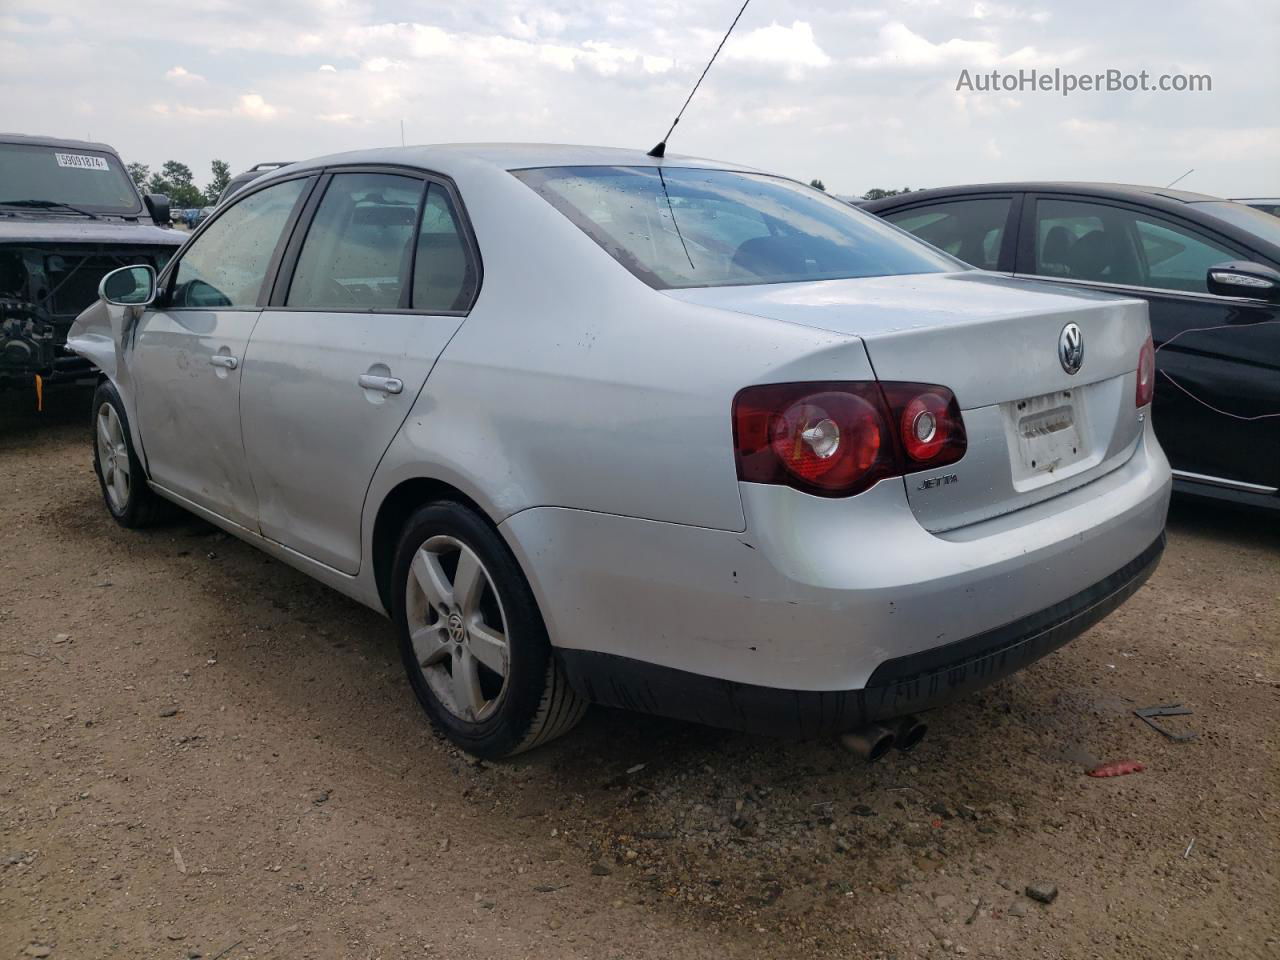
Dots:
(1071, 348)
(456, 631)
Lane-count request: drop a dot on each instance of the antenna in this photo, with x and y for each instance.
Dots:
(1183, 177)
(402, 132)
(660, 150)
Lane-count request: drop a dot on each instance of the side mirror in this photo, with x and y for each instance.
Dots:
(158, 207)
(129, 286)
(1240, 278)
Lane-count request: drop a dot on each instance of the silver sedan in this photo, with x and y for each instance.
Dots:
(666, 434)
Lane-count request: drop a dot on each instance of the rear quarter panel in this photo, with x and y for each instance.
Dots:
(574, 384)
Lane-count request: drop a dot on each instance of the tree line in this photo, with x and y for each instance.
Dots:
(176, 181)
(875, 193)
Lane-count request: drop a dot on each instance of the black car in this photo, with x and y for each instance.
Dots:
(1210, 271)
(1269, 205)
(250, 175)
(69, 215)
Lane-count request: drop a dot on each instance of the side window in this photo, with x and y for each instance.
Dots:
(1177, 259)
(444, 273)
(226, 265)
(1085, 241)
(356, 254)
(971, 230)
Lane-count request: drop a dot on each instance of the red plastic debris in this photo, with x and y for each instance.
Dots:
(1116, 768)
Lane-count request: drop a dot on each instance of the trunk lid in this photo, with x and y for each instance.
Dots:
(1034, 429)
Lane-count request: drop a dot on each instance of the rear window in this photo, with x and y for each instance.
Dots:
(1257, 221)
(88, 179)
(686, 227)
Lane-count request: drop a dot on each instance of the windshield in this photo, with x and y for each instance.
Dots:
(1261, 224)
(686, 227)
(88, 179)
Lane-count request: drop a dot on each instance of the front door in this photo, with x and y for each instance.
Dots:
(1217, 360)
(187, 357)
(378, 286)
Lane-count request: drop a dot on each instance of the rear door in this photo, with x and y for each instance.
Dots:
(376, 281)
(1217, 361)
(189, 351)
(979, 229)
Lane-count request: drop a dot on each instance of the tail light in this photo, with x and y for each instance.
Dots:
(838, 439)
(1146, 374)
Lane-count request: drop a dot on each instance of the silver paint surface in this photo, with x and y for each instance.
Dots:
(588, 416)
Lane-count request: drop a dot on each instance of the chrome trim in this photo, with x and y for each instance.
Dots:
(1134, 289)
(1223, 482)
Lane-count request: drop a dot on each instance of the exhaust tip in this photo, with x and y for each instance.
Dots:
(869, 744)
(911, 731)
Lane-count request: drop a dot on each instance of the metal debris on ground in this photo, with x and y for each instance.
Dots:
(1147, 715)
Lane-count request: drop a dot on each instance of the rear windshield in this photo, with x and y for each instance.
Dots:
(1258, 222)
(686, 227)
(88, 179)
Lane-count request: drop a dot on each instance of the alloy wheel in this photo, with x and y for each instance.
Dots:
(113, 457)
(457, 628)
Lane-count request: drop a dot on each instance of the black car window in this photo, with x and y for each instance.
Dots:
(224, 267)
(444, 274)
(969, 229)
(1080, 240)
(1176, 258)
(356, 254)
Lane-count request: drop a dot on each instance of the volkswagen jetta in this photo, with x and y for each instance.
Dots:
(666, 434)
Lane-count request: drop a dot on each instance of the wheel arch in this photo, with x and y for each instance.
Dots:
(394, 511)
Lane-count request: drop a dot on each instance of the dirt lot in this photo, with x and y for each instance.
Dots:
(205, 753)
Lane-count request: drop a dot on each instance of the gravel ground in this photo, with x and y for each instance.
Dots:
(203, 752)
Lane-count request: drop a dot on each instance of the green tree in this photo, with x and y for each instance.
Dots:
(139, 172)
(818, 185)
(877, 193)
(176, 182)
(221, 177)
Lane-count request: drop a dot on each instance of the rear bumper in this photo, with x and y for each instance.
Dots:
(907, 684)
(839, 611)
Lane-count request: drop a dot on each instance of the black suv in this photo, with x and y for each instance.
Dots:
(69, 214)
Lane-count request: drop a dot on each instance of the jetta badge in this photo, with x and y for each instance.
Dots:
(1071, 348)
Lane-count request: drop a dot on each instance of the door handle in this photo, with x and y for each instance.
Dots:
(224, 361)
(383, 384)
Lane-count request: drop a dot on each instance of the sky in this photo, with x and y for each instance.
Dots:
(859, 95)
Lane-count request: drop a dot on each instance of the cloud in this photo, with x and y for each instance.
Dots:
(254, 106)
(900, 46)
(183, 77)
(792, 46)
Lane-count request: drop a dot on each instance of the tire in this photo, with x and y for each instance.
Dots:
(456, 592)
(121, 477)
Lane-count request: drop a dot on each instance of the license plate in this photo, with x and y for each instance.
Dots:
(1047, 432)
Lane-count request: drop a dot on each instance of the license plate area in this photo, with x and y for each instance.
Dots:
(1046, 434)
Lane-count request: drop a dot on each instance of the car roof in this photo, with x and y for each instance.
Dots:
(1118, 191)
(66, 144)
(1198, 207)
(509, 156)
